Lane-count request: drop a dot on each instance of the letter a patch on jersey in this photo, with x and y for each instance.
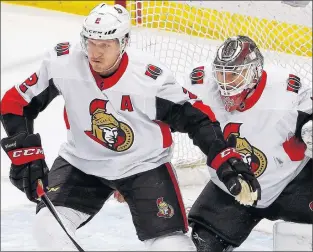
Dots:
(153, 71)
(293, 83)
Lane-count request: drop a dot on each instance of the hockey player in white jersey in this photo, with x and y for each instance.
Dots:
(266, 114)
(119, 108)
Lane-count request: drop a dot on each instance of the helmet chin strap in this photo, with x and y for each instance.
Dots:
(117, 60)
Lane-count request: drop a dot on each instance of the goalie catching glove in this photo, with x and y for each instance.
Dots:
(237, 176)
(28, 164)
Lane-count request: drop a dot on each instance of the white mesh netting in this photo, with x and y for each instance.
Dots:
(181, 33)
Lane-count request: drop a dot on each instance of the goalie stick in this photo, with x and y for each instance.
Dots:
(42, 195)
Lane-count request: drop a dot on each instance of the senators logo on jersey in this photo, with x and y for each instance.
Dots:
(107, 130)
(250, 154)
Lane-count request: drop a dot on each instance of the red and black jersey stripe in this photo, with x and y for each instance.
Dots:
(18, 115)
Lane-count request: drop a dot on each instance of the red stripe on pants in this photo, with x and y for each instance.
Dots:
(178, 193)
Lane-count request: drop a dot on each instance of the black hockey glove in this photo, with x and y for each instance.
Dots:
(28, 164)
(236, 174)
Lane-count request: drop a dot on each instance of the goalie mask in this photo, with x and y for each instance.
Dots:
(106, 22)
(237, 69)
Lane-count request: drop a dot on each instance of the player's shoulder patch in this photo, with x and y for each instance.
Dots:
(293, 83)
(62, 48)
(197, 75)
(153, 71)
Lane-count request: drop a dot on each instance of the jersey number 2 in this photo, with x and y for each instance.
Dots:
(31, 81)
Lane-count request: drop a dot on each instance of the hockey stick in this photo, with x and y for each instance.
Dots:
(41, 193)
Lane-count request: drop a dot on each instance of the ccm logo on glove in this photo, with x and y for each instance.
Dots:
(224, 156)
(26, 155)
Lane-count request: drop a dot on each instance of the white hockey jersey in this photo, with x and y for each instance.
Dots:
(264, 128)
(119, 125)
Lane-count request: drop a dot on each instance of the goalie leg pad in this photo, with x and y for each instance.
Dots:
(289, 236)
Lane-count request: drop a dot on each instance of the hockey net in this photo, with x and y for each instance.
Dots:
(181, 33)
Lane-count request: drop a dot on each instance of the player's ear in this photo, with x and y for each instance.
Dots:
(126, 39)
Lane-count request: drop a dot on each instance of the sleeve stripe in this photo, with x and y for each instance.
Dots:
(13, 103)
(205, 109)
